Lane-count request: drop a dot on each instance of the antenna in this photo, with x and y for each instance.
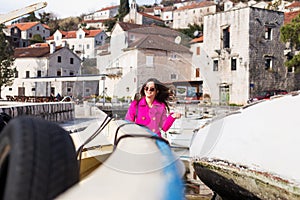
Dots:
(177, 40)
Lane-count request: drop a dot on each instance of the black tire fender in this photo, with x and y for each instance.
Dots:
(37, 160)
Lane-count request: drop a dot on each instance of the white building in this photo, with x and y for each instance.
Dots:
(42, 62)
(98, 18)
(22, 33)
(82, 42)
(141, 18)
(192, 14)
(137, 53)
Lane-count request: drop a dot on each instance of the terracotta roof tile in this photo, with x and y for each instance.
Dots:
(35, 52)
(196, 40)
(295, 4)
(151, 16)
(289, 16)
(108, 8)
(27, 25)
(72, 34)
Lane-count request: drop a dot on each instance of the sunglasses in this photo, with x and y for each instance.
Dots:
(151, 89)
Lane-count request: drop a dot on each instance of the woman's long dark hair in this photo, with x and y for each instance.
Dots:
(163, 92)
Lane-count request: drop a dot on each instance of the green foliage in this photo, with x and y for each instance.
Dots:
(123, 9)
(69, 24)
(7, 71)
(191, 30)
(294, 62)
(110, 23)
(289, 33)
(37, 38)
(31, 18)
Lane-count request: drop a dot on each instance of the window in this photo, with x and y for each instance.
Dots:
(39, 73)
(87, 46)
(16, 74)
(71, 61)
(71, 73)
(226, 37)
(198, 51)
(291, 69)
(198, 72)
(268, 33)
(58, 73)
(59, 59)
(30, 35)
(233, 64)
(132, 37)
(27, 74)
(216, 65)
(173, 76)
(80, 36)
(33, 89)
(149, 61)
(87, 90)
(69, 89)
(268, 63)
(37, 28)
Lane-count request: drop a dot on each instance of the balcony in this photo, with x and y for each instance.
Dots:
(114, 71)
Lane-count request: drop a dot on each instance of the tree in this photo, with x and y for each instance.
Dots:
(289, 34)
(110, 23)
(193, 28)
(123, 9)
(7, 71)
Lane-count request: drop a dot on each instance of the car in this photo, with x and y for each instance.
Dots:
(267, 94)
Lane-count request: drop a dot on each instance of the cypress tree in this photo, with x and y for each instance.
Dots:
(7, 71)
(123, 9)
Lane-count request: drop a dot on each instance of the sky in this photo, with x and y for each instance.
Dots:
(65, 8)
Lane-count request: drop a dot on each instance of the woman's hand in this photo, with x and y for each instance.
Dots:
(176, 115)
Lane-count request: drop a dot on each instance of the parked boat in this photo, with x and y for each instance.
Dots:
(252, 153)
(117, 160)
(140, 165)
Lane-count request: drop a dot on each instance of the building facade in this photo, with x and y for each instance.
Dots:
(23, 34)
(42, 70)
(83, 42)
(242, 54)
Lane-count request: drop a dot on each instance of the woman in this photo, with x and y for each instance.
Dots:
(151, 110)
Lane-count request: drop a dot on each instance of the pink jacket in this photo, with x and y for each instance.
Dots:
(154, 118)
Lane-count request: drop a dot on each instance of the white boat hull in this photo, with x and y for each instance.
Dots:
(138, 168)
(256, 149)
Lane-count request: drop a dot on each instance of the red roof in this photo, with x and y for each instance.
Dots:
(289, 16)
(295, 4)
(27, 25)
(72, 34)
(196, 40)
(108, 8)
(150, 16)
(29, 52)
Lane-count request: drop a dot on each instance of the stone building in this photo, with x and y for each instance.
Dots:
(242, 54)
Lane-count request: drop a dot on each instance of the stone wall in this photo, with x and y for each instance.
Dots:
(55, 112)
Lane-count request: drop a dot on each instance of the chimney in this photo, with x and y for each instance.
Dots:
(52, 47)
(64, 43)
